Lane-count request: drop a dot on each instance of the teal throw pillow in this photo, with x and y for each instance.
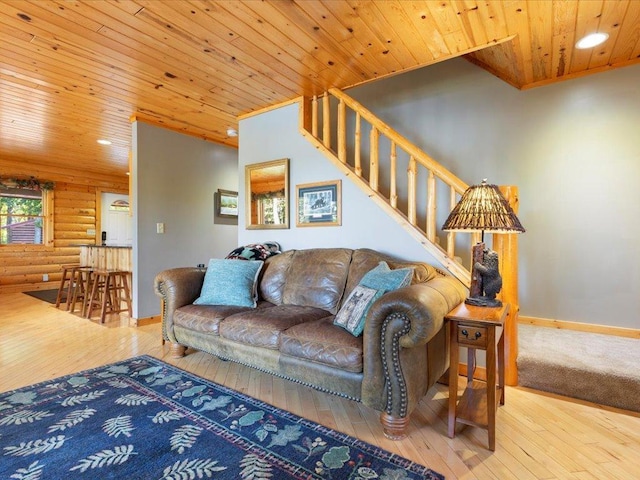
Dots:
(374, 284)
(383, 278)
(230, 282)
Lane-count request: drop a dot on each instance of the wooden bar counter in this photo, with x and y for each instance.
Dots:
(106, 257)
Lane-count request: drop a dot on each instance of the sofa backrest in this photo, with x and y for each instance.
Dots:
(310, 278)
(324, 277)
(364, 260)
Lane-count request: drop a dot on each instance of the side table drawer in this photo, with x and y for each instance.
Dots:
(475, 337)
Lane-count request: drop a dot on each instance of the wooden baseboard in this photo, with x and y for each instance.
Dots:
(139, 322)
(581, 327)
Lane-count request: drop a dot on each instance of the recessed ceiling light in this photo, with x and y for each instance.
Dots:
(232, 132)
(592, 40)
(104, 142)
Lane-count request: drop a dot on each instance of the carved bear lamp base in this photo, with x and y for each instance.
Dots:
(486, 281)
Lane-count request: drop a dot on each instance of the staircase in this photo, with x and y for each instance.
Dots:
(336, 124)
(371, 154)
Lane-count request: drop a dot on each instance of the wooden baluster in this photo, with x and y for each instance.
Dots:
(417, 158)
(507, 247)
(393, 193)
(326, 121)
(412, 173)
(358, 140)
(374, 158)
(431, 207)
(342, 131)
(314, 116)
(451, 236)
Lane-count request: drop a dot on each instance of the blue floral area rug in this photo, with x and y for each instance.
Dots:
(145, 419)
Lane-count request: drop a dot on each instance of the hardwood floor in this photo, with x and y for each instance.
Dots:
(539, 436)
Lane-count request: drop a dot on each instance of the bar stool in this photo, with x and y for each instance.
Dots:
(81, 282)
(66, 285)
(110, 289)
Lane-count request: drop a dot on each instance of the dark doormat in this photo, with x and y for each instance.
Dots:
(46, 295)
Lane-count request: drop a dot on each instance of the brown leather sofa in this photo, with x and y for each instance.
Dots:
(402, 352)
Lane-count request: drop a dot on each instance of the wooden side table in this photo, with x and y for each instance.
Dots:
(477, 328)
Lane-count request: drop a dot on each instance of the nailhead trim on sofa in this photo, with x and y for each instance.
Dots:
(397, 368)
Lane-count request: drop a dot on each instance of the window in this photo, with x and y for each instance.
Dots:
(119, 206)
(23, 216)
(271, 211)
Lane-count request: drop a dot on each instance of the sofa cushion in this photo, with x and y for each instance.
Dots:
(373, 285)
(230, 282)
(204, 318)
(322, 342)
(274, 275)
(317, 277)
(262, 327)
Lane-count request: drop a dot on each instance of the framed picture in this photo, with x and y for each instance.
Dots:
(319, 204)
(227, 203)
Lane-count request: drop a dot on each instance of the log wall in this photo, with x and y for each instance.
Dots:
(74, 215)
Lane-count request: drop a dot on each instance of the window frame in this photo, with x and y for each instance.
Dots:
(47, 196)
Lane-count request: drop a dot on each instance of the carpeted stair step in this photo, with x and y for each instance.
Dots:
(602, 369)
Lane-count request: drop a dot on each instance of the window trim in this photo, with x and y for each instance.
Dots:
(47, 227)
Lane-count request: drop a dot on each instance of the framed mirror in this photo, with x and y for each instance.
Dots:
(267, 194)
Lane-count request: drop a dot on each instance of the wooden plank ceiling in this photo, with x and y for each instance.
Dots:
(72, 72)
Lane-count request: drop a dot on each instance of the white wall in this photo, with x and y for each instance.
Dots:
(571, 148)
(274, 135)
(174, 178)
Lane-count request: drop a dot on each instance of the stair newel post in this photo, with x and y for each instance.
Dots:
(342, 131)
(326, 121)
(507, 248)
(357, 163)
(374, 158)
(412, 173)
(393, 193)
(431, 207)
(476, 237)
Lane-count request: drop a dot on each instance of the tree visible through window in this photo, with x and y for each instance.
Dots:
(22, 216)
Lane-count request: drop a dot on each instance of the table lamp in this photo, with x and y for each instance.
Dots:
(483, 208)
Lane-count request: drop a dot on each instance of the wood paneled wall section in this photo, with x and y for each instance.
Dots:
(74, 213)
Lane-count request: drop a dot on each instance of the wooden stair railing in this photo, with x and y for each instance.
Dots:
(316, 116)
(316, 126)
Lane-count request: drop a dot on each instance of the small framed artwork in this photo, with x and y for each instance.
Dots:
(227, 203)
(319, 204)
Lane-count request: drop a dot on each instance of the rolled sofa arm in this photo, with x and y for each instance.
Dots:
(177, 287)
(398, 367)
